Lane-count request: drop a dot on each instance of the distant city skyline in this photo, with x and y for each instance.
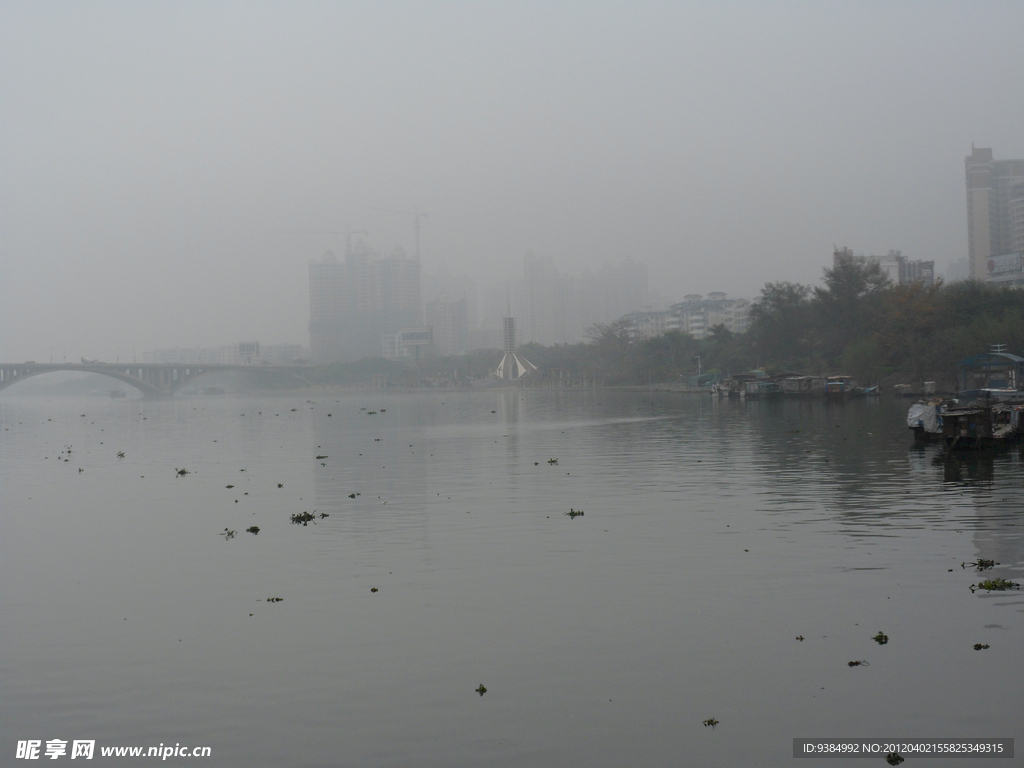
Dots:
(171, 168)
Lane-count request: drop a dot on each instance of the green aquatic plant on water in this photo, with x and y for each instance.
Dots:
(881, 638)
(995, 585)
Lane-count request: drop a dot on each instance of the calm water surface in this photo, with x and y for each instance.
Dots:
(714, 534)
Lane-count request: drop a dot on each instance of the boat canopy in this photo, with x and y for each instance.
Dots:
(992, 370)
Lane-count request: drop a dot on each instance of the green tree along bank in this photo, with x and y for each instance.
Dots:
(855, 323)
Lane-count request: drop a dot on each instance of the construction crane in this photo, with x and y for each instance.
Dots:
(416, 216)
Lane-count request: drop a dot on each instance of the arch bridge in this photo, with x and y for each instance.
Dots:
(152, 379)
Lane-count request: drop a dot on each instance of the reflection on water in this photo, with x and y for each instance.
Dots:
(715, 533)
(957, 468)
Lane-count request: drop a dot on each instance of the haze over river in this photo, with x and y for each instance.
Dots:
(714, 534)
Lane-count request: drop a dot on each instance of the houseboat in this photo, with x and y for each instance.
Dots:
(982, 426)
(736, 385)
(838, 387)
(992, 376)
(794, 385)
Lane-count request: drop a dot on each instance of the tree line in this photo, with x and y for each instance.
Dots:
(856, 323)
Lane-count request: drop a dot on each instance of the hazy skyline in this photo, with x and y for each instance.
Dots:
(156, 156)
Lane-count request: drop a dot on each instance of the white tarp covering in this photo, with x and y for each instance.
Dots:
(924, 415)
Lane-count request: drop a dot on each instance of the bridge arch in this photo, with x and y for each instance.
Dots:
(14, 374)
(152, 379)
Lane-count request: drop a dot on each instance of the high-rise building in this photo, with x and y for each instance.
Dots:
(900, 270)
(549, 301)
(556, 308)
(399, 286)
(328, 308)
(441, 282)
(448, 318)
(995, 208)
(897, 268)
(354, 304)
(697, 315)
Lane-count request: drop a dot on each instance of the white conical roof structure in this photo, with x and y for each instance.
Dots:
(512, 365)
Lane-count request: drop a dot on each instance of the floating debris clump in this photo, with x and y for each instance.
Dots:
(881, 638)
(980, 564)
(574, 513)
(995, 585)
(858, 664)
(302, 518)
(253, 529)
(481, 690)
(894, 758)
(980, 646)
(710, 723)
(227, 534)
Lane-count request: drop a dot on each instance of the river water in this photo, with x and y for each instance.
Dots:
(714, 534)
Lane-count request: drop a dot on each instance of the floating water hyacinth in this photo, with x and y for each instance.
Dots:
(995, 585)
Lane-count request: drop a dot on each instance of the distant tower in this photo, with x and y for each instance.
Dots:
(513, 365)
(995, 208)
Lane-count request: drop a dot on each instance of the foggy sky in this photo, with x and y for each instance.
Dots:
(155, 156)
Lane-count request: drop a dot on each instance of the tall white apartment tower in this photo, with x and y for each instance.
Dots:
(995, 208)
